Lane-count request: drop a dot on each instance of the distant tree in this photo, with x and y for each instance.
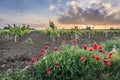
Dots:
(88, 28)
(28, 26)
(7, 27)
(52, 25)
(76, 28)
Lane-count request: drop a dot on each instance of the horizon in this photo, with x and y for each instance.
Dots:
(65, 13)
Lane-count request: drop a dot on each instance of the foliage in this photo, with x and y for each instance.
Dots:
(110, 44)
(75, 31)
(16, 75)
(52, 25)
(73, 63)
(69, 62)
(28, 41)
(113, 72)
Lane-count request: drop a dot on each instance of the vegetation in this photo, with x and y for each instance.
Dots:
(73, 63)
(110, 45)
(69, 62)
(16, 31)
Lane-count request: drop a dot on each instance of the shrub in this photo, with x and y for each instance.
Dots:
(113, 72)
(110, 44)
(28, 41)
(16, 75)
(70, 62)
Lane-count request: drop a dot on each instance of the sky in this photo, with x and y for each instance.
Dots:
(64, 13)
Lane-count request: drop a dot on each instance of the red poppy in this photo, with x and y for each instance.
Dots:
(97, 58)
(105, 59)
(107, 63)
(46, 47)
(100, 50)
(110, 55)
(74, 41)
(85, 47)
(90, 49)
(37, 59)
(64, 41)
(56, 48)
(48, 71)
(100, 47)
(57, 65)
(32, 61)
(95, 46)
(42, 54)
(93, 56)
(82, 59)
(43, 50)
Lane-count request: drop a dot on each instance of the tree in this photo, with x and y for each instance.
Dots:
(17, 31)
(52, 25)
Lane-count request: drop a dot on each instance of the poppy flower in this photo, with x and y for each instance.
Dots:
(64, 41)
(32, 61)
(43, 50)
(105, 59)
(97, 58)
(100, 50)
(42, 54)
(100, 47)
(37, 59)
(90, 49)
(57, 65)
(93, 56)
(110, 55)
(46, 47)
(48, 71)
(74, 41)
(107, 63)
(85, 47)
(56, 48)
(82, 59)
(95, 46)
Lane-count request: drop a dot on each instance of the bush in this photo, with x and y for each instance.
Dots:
(16, 75)
(110, 44)
(28, 41)
(113, 72)
(71, 63)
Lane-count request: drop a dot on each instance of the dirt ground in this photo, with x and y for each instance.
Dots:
(17, 55)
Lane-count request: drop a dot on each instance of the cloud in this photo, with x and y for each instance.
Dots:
(52, 8)
(35, 21)
(91, 12)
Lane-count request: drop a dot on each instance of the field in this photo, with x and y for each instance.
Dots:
(16, 55)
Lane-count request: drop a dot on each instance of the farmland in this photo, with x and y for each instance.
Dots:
(17, 55)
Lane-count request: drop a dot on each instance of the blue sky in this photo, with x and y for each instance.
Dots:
(37, 13)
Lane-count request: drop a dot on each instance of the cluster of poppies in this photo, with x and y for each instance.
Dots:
(95, 48)
(98, 48)
(42, 53)
(57, 65)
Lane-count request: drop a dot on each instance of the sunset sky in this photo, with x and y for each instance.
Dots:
(64, 13)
